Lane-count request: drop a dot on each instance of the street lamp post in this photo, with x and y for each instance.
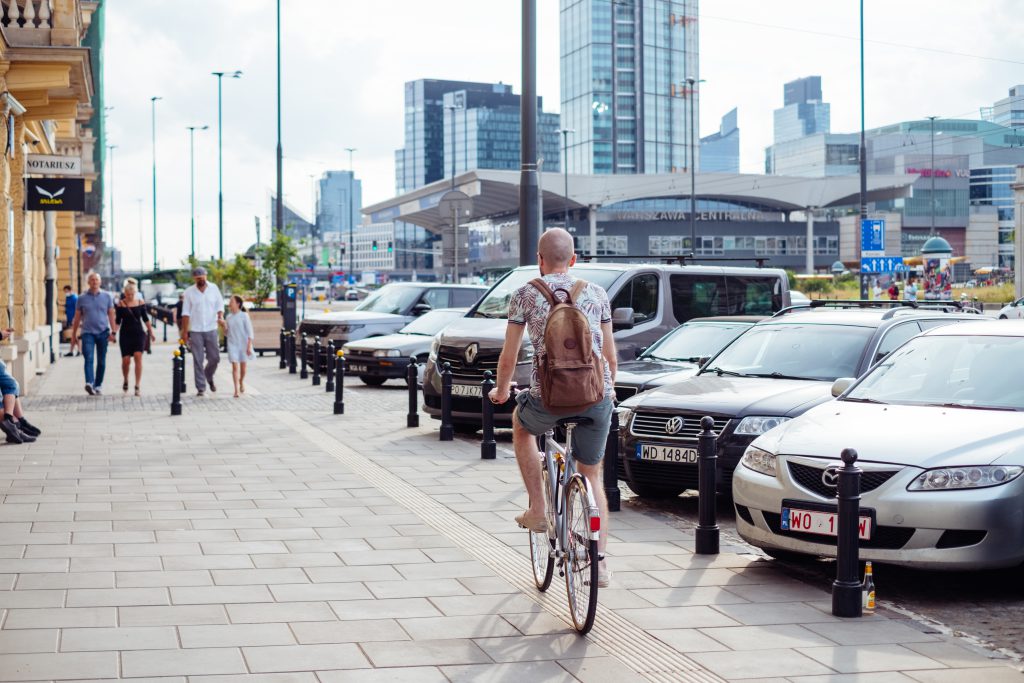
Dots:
(192, 183)
(279, 209)
(152, 102)
(110, 153)
(931, 120)
(692, 82)
(529, 181)
(565, 169)
(220, 157)
(351, 228)
(863, 155)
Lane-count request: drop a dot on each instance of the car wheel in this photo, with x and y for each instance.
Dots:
(373, 381)
(1003, 317)
(465, 428)
(653, 491)
(787, 555)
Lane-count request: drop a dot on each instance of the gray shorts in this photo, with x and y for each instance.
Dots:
(588, 441)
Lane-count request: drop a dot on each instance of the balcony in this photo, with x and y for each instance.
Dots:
(36, 23)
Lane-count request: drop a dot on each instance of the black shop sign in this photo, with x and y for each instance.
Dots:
(55, 194)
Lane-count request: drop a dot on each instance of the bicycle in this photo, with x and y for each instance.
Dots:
(574, 526)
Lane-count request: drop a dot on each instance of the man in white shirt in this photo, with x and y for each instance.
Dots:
(202, 312)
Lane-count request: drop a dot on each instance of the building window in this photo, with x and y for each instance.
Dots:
(607, 245)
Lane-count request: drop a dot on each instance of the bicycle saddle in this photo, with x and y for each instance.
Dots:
(578, 421)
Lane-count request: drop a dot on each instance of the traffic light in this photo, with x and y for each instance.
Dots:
(343, 250)
(391, 247)
(374, 247)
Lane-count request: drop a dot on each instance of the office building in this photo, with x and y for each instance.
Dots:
(814, 156)
(624, 91)
(339, 199)
(296, 226)
(803, 112)
(1008, 111)
(720, 152)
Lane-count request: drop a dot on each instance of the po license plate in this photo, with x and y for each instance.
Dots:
(356, 367)
(666, 453)
(821, 523)
(466, 390)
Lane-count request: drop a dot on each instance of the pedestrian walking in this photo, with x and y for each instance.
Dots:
(202, 313)
(910, 291)
(13, 424)
(240, 340)
(894, 291)
(133, 321)
(94, 316)
(70, 305)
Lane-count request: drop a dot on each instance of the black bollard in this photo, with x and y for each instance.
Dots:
(304, 371)
(488, 446)
(330, 367)
(181, 378)
(707, 467)
(447, 430)
(282, 350)
(291, 352)
(846, 590)
(316, 361)
(412, 376)
(610, 470)
(176, 373)
(165, 330)
(339, 383)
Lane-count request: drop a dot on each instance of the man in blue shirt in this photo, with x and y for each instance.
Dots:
(70, 305)
(94, 314)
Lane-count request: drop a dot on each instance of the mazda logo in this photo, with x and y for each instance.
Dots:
(674, 425)
(830, 477)
(471, 353)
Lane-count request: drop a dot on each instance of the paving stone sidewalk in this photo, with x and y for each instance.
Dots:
(265, 538)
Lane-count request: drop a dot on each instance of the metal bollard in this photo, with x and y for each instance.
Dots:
(291, 352)
(707, 468)
(412, 376)
(165, 330)
(846, 595)
(316, 361)
(181, 377)
(339, 383)
(176, 373)
(488, 446)
(610, 470)
(447, 430)
(304, 371)
(330, 367)
(282, 350)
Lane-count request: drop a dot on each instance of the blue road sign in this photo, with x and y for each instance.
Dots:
(872, 236)
(337, 279)
(881, 264)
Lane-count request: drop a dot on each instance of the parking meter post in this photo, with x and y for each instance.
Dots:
(176, 373)
(330, 367)
(282, 351)
(610, 470)
(488, 446)
(291, 352)
(339, 383)
(412, 380)
(707, 466)
(316, 361)
(447, 430)
(181, 378)
(303, 371)
(846, 589)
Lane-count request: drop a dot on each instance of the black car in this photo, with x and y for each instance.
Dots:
(778, 369)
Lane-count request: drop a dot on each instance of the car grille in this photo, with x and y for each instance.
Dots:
(809, 477)
(883, 537)
(661, 474)
(468, 372)
(314, 329)
(653, 424)
(622, 393)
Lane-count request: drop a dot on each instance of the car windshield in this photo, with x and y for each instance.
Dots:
(495, 302)
(432, 322)
(955, 371)
(694, 340)
(390, 299)
(794, 351)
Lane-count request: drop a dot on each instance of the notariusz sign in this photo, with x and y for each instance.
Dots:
(51, 164)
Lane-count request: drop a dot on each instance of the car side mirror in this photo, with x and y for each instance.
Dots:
(420, 309)
(622, 319)
(639, 351)
(841, 385)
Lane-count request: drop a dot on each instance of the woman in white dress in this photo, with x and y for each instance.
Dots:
(240, 340)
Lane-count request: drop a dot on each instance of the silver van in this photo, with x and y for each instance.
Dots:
(647, 300)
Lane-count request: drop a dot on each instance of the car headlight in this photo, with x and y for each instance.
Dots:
(757, 425)
(387, 353)
(955, 478)
(625, 416)
(759, 460)
(345, 329)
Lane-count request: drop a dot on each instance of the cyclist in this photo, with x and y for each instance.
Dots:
(528, 309)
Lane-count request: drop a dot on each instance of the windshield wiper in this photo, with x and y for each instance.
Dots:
(969, 406)
(731, 373)
(865, 400)
(779, 375)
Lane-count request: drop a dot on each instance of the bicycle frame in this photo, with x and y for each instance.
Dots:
(559, 477)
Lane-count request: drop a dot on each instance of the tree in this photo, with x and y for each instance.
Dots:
(242, 277)
(275, 259)
(814, 285)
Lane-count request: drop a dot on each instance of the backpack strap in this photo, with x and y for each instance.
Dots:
(577, 289)
(541, 286)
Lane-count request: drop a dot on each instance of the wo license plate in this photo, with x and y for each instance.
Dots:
(356, 367)
(821, 523)
(666, 453)
(466, 390)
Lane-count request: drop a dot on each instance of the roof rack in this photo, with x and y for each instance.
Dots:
(680, 259)
(893, 306)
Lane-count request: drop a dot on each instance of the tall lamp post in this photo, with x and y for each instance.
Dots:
(931, 120)
(110, 155)
(278, 223)
(565, 169)
(692, 82)
(529, 180)
(351, 228)
(220, 157)
(863, 155)
(192, 183)
(152, 102)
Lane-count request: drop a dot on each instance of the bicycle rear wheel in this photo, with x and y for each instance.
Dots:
(541, 544)
(580, 556)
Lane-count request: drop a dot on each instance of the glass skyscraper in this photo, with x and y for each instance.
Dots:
(720, 152)
(624, 69)
(1008, 111)
(803, 112)
(339, 201)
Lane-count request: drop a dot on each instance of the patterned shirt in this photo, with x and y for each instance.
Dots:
(529, 307)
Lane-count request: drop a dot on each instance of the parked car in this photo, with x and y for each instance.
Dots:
(799, 298)
(939, 432)
(386, 311)
(778, 369)
(377, 359)
(678, 354)
(1014, 309)
(647, 301)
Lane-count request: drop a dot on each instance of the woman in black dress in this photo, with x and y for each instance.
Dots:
(134, 326)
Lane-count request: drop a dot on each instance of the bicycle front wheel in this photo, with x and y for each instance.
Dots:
(541, 544)
(581, 556)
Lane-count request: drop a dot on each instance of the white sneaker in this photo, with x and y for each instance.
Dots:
(604, 575)
(97, 391)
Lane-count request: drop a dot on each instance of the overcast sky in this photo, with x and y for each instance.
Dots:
(345, 62)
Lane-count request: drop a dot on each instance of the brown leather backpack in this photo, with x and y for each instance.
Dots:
(570, 371)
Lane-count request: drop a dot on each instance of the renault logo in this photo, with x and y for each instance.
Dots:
(471, 353)
(674, 425)
(830, 477)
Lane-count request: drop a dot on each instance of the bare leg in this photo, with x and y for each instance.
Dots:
(525, 446)
(16, 409)
(138, 369)
(594, 475)
(126, 363)
(234, 377)
(10, 405)
(241, 377)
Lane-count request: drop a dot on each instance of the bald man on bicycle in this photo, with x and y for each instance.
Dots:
(528, 311)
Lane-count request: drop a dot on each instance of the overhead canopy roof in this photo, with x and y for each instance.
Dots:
(496, 193)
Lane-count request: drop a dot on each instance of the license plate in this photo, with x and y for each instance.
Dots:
(821, 523)
(356, 367)
(466, 390)
(666, 453)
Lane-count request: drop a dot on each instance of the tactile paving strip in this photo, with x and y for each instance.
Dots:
(622, 639)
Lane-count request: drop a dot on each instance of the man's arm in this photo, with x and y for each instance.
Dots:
(76, 323)
(507, 362)
(113, 321)
(608, 348)
(186, 313)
